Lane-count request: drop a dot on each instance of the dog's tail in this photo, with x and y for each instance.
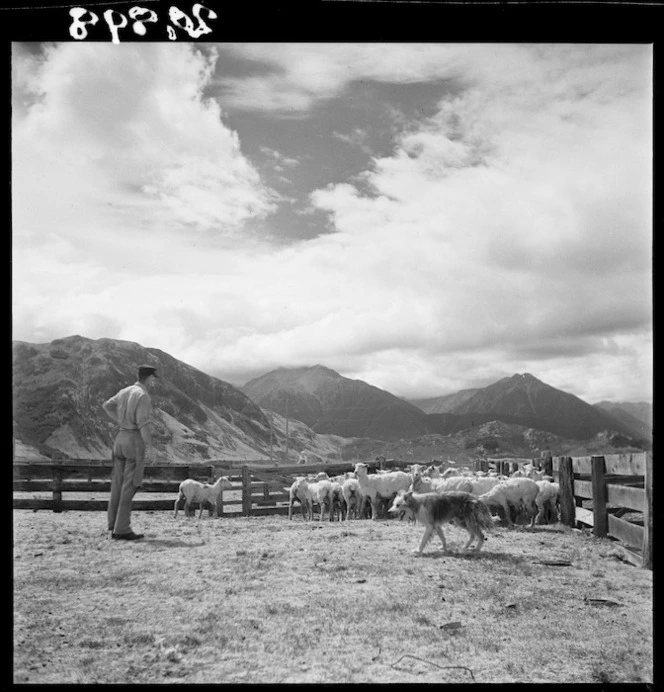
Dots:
(481, 516)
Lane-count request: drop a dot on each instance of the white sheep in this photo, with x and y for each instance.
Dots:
(298, 491)
(354, 498)
(194, 491)
(514, 493)
(337, 502)
(547, 500)
(319, 492)
(379, 487)
(422, 484)
(432, 471)
(483, 484)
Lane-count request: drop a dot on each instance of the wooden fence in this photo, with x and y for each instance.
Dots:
(257, 489)
(599, 491)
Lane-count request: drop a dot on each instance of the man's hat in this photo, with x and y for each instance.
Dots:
(145, 370)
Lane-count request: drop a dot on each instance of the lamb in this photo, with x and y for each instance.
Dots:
(381, 486)
(194, 491)
(354, 498)
(337, 502)
(319, 492)
(513, 493)
(547, 501)
(298, 491)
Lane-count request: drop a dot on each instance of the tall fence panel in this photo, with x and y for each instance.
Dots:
(599, 491)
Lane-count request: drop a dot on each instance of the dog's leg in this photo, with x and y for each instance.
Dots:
(480, 541)
(425, 539)
(441, 535)
(470, 540)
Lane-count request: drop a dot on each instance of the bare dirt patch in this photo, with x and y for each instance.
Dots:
(265, 600)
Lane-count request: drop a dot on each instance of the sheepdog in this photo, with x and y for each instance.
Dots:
(435, 509)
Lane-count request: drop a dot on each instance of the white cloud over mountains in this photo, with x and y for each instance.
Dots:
(508, 232)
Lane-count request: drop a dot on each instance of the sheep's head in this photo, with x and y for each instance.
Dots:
(361, 469)
(224, 482)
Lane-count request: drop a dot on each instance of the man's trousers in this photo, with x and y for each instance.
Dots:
(127, 476)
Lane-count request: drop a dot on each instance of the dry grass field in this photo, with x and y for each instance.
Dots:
(265, 600)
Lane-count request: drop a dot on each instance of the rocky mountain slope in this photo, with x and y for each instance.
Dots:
(58, 390)
(524, 400)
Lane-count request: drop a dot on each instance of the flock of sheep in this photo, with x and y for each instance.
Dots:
(350, 495)
(353, 495)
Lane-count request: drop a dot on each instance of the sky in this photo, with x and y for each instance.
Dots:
(426, 217)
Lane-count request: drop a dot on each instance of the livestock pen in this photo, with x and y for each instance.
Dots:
(612, 494)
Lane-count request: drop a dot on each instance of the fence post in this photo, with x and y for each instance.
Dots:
(646, 552)
(212, 512)
(566, 483)
(57, 490)
(600, 520)
(246, 491)
(548, 465)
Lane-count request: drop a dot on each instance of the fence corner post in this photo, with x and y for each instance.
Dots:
(566, 484)
(598, 482)
(646, 551)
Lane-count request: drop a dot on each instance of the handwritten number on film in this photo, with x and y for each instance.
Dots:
(140, 16)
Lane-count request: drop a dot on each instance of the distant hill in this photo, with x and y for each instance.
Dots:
(638, 410)
(525, 400)
(444, 404)
(58, 389)
(332, 404)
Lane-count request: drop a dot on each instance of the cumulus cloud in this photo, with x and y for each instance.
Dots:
(124, 133)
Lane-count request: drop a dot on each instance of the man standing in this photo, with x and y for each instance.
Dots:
(131, 408)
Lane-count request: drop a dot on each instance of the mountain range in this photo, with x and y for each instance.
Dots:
(58, 389)
(332, 404)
